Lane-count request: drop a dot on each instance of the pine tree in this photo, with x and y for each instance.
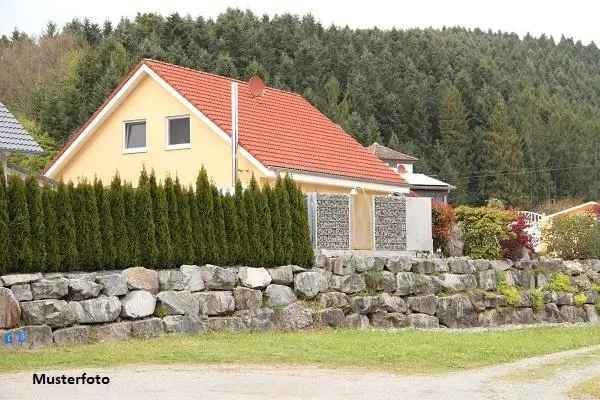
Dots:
(131, 218)
(21, 256)
(278, 250)
(242, 224)
(120, 229)
(205, 210)
(36, 223)
(185, 223)
(66, 228)
(53, 253)
(4, 232)
(145, 223)
(303, 252)
(109, 251)
(232, 231)
(174, 227)
(285, 225)
(219, 228)
(265, 227)
(256, 249)
(161, 223)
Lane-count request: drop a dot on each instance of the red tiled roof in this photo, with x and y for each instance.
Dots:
(280, 129)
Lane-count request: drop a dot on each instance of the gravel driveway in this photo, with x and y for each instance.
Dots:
(184, 382)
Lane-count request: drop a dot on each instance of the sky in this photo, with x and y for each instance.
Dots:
(575, 18)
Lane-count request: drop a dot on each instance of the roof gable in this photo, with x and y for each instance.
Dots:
(13, 137)
(280, 130)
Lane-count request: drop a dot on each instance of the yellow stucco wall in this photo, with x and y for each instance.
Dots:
(102, 155)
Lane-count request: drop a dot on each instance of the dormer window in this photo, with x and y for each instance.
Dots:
(178, 133)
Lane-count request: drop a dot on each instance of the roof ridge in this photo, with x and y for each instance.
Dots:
(217, 75)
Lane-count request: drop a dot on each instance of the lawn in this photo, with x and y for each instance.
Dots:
(589, 389)
(406, 352)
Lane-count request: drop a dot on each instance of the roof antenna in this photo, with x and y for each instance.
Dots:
(234, 133)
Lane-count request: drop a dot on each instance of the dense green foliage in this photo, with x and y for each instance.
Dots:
(484, 229)
(492, 113)
(155, 224)
(573, 236)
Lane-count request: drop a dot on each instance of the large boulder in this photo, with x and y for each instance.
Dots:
(217, 278)
(51, 312)
(335, 300)
(391, 304)
(549, 313)
(192, 278)
(279, 295)
(260, 320)
(140, 278)
(423, 304)
(22, 292)
(384, 320)
(399, 264)
(138, 304)
(406, 283)
(254, 278)
(523, 316)
(110, 332)
(81, 289)
(95, 311)
(215, 303)
(72, 335)
(295, 316)
(330, 317)
(456, 311)
(30, 337)
(424, 266)
(460, 265)
(591, 313)
(357, 321)
(172, 302)
(16, 279)
(494, 317)
(171, 279)
(183, 324)
(283, 275)
(572, 314)
(247, 299)
(147, 328)
(423, 321)
(50, 289)
(310, 284)
(227, 324)
(113, 284)
(342, 265)
(351, 284)
(486, 279)
(458, 282)
(10, 311)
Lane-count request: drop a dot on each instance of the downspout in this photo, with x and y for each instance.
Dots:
(234, 134)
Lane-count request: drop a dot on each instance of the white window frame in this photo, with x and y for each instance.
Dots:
(180, 146)
(134, 150)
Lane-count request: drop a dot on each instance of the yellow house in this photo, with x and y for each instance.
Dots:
(174, 120)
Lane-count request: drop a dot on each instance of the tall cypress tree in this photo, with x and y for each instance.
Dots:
(66, 228)
(219, 228)
(82, 226)
(205, 211)
(4, 232)
(256, 249)
(278, 251)
(19, 227)
(36, 222)
(285, 223)
(266, 229)
(95, 255)
(53, 251)
(184, 224)
(191, 209)
(129, 202)
(109, 251)
(174, 228)
(303, 253)
(145, 222)
(232, 231)
(197, 231)
(242, 225)
(161, 223)
(120, 230)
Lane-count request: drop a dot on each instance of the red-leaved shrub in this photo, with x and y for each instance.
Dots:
(519, 239)
(443, 219)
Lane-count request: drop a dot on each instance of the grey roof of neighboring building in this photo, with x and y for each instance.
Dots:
(385, 153)
(13, 137)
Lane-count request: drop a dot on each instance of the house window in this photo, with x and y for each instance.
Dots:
(178, 133)
(135, 137)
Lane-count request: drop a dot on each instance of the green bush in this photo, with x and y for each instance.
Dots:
(573, 237)
(537, 300)
(560, 282)
(512, 293)
(156, 224)
(580, 299)
(483, 229)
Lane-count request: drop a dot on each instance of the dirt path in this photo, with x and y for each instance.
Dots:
(184, 382)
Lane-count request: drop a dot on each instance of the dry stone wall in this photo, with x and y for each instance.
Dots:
(340, 292)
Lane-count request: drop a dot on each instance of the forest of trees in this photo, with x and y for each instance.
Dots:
(496, 115)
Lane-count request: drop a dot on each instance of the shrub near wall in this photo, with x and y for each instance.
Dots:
(573, 237)
(93, 227)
